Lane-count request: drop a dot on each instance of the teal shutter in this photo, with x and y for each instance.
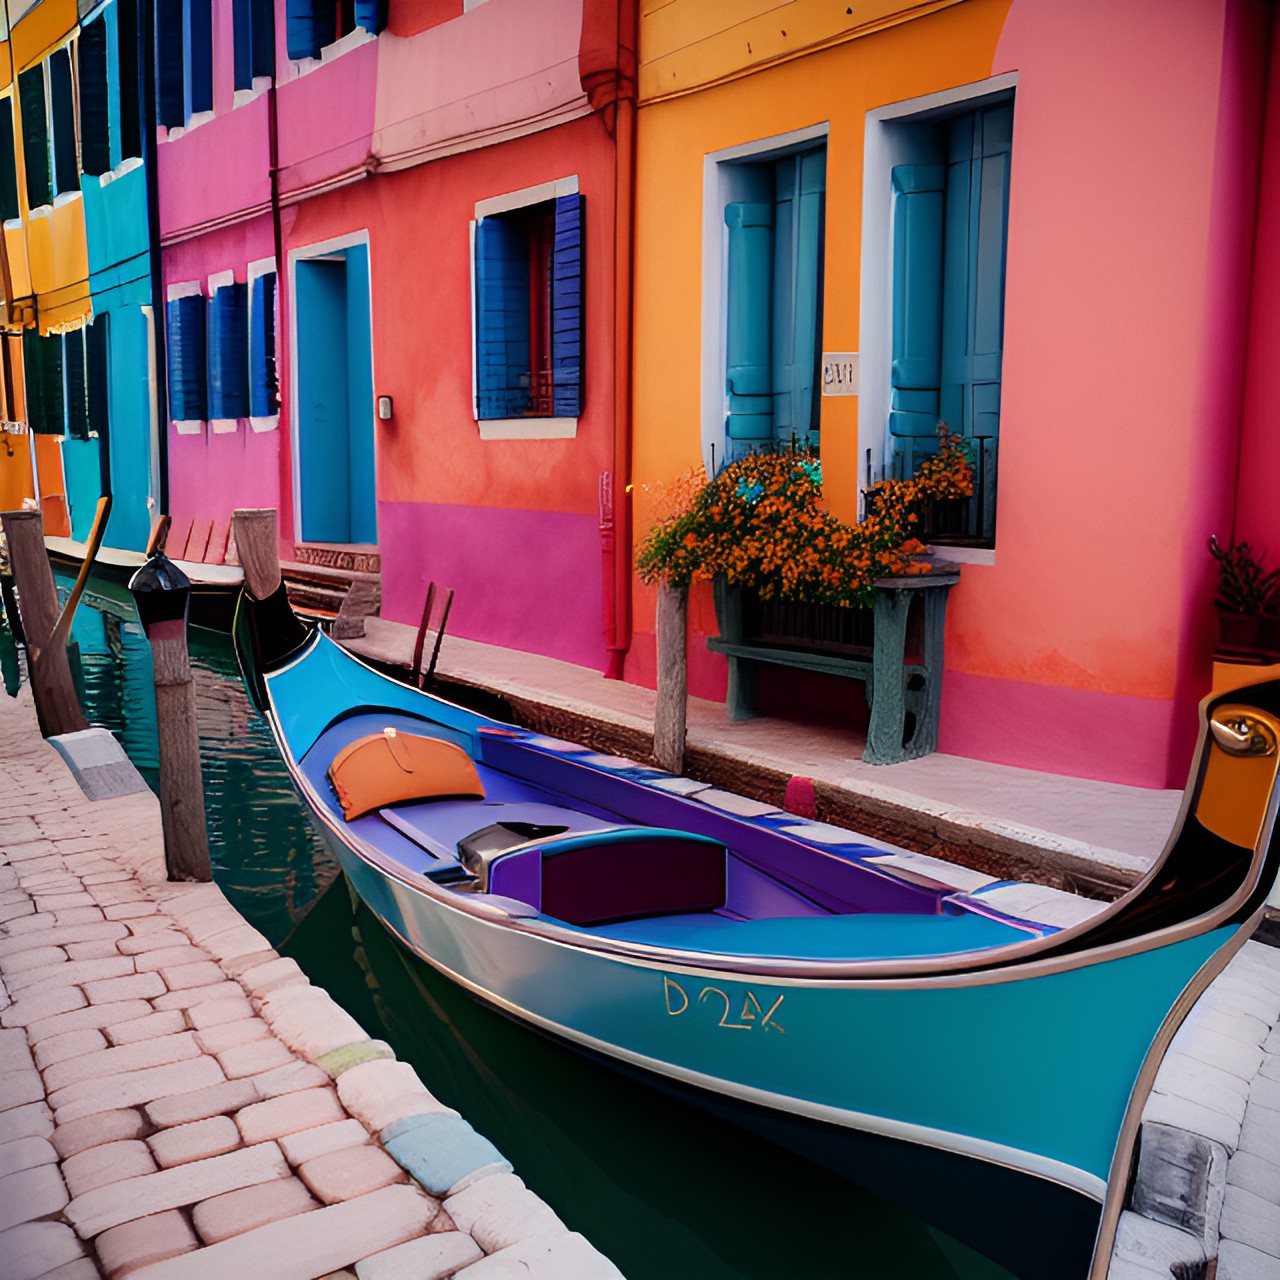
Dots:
(170, 60)
(567, 307)
(263, 391)
(502, 319)
(8, 162)
(198, 51)
(800, 184)
(66, 165)
(98, 387)
(128, 36)
(95, 127)
(228, 352)
(977, 219)
(917, 307)
(77, 391)
(186, 332)
(35, 137)
(749, 362)
(371, 15)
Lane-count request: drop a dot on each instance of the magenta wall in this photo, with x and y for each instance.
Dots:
(526, 580)
(1130, 210)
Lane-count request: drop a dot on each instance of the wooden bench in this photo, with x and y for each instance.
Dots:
(904, 696)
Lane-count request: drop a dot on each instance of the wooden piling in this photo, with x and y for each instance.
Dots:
(54, 691)
(163, 594)
(673, 679)
(258, 546)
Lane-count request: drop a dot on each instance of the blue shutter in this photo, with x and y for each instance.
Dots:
(187, 400)
(198, 51)
(98, 387)
(749, 361)
(77, 398)
(35, 137)
(263, 21)
(242, 42)
(263, 391)
(309, 26)
(977, 217)
(8, 162)
(170, 59)
(917, 306)
(66, 168)
(228, 352)
(371, 15)
(567, 308)
(95, 128)
(502, 319)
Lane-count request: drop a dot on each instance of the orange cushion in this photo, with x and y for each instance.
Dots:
(391, 767)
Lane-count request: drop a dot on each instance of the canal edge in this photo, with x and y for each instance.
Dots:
(166, 1070)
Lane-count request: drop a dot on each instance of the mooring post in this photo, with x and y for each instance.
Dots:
(57, 707)
(673, 678)
(258, 546)
(162, 593)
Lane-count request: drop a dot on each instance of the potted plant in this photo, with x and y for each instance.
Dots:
(1247, 596)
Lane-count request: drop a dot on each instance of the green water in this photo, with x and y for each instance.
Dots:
(664, 1190)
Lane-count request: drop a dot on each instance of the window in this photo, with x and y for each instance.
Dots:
(312, 25)
(529, 311)
(35, 137)
(95, 110)
(184, 60)
(42, 371)
(66, 160)
(128, 36)
(254, 27)
(97, 363)
(228, 352)
(75, 384)
(773, 326)
(186, 332)
(950, 234)
(264, 395)
(8, 163)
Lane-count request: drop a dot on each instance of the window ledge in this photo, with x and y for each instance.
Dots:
(963, 555)
(528, 428)
(270, 423)
(223, 426)
(352, 40)
(189, 426)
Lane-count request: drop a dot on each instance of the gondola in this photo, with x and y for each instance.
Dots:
(985, 1070)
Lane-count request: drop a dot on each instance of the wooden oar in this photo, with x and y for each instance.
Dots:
(96, 534)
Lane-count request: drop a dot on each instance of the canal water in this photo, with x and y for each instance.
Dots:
(664, 1190)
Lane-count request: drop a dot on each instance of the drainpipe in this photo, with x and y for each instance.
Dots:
(619, 117)
(147, 38)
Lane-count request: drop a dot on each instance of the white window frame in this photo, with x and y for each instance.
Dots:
(515, 428)
(885, 147)
(719, 172)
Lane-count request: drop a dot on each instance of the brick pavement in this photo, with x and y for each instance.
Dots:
(177, 1101)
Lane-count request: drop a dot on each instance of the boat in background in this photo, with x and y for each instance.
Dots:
(985, 1069)
(214, 587)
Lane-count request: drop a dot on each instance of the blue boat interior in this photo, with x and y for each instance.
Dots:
(652, 867)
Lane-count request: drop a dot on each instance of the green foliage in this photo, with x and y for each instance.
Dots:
(1243, 584)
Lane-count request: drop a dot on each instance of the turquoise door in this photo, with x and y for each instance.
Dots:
(336, 479)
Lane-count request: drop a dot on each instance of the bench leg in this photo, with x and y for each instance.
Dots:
(925, 738)
(884, 733)
(740, 700)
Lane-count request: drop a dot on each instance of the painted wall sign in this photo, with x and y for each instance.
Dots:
(839, 373)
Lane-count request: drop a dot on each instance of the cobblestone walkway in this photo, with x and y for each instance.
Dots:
(1208, 1182)
(177, 1102)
